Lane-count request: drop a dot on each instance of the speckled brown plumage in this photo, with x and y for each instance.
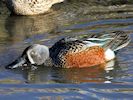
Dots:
(30, 7)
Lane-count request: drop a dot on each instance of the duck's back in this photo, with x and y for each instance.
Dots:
(94, 50)
(76, 53)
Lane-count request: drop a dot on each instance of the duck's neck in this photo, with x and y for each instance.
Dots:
(48, 62)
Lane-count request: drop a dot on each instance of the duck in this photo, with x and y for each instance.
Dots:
(30, 7)
(72, 52)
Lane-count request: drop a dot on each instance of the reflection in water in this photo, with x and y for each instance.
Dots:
(74, 75)
(21, 27)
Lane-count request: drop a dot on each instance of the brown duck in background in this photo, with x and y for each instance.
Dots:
(30, 7)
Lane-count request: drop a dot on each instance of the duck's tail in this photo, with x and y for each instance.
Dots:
(119, 40)
(114, 40)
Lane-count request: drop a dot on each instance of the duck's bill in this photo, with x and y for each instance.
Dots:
(17, 63)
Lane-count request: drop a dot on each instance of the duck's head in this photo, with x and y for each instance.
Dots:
(34, 55)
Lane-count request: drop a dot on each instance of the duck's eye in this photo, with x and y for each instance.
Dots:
(32, 53)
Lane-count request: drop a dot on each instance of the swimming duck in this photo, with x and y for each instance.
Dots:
(70, 52)
(30, 7)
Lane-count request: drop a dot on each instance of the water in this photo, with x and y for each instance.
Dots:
(69, 18)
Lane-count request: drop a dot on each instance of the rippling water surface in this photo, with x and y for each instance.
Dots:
(66, 19)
